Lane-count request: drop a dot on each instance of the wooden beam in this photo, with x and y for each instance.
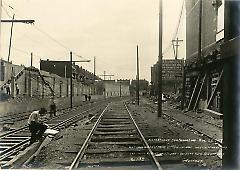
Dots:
(26, 21)
(189, 105)
(195, 105)
(214, 92)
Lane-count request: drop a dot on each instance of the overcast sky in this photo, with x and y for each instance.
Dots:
(107, 29)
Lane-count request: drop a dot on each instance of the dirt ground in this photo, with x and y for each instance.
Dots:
(60, 152)
(193, 149)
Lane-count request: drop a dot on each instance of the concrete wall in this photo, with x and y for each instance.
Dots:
(29, 104)
(7, 69)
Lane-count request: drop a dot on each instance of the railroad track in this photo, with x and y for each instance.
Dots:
(198, 118)
(10, 119)
(17, 140)
(169, 117)
(110, 141)
(14, 117)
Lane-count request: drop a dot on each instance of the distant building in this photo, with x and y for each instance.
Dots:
(172, 70)
(115, 88)
(143, 87)
(124, 81)
(63, 69)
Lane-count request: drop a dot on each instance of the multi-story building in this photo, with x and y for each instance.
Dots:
(172, 70)
(202, 87)
(143, 87)
(63, 69)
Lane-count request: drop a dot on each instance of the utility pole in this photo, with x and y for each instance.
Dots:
(177, 45)
(183, 87)
(71, 85)
(14, 21)
(200, 32)
(71, 81)
(94, 73)
(120, 92)
(65, 75)
(137, 85)
(231, 88)
(31, 61)
(159, 87)
(10, 41)
(0, 26)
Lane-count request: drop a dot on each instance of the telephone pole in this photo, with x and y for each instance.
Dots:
(11, 33)
(94, 73)
(120, 92)
(71, 81)
(71, 84)
(10, 41)
(177, 45)
(137, 83)
(160, 63)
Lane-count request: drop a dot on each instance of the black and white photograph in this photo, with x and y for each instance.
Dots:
(120, 84)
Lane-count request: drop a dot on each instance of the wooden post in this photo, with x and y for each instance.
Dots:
(183, 89)
(71, 83)
(137, 85)
(67, 87)
(25, 81)
(159, 77)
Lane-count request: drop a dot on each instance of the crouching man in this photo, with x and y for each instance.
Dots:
(36, 127)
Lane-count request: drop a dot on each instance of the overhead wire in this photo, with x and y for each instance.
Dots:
(176, 30)
(48, 35)
(5, 10)
(14, 48)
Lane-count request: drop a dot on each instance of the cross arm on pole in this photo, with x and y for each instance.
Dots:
(19, 21)
(107, 75)
(74, 61)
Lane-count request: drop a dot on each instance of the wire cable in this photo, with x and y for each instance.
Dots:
(176, 30)
(46, 34)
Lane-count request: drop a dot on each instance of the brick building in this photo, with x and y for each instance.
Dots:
(172, 70)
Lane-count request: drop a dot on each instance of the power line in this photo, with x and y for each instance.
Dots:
(5, 10)
(176, 30)
(49, 36)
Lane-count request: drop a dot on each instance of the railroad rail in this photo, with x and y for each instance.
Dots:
(14, 141)
(12, 118)
(186, 125)
(109, 140)
(195, 117)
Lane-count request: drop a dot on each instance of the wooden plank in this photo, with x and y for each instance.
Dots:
(214, 92)
(200, 90)
(115, 133)
(114, 138)
(193, 93)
